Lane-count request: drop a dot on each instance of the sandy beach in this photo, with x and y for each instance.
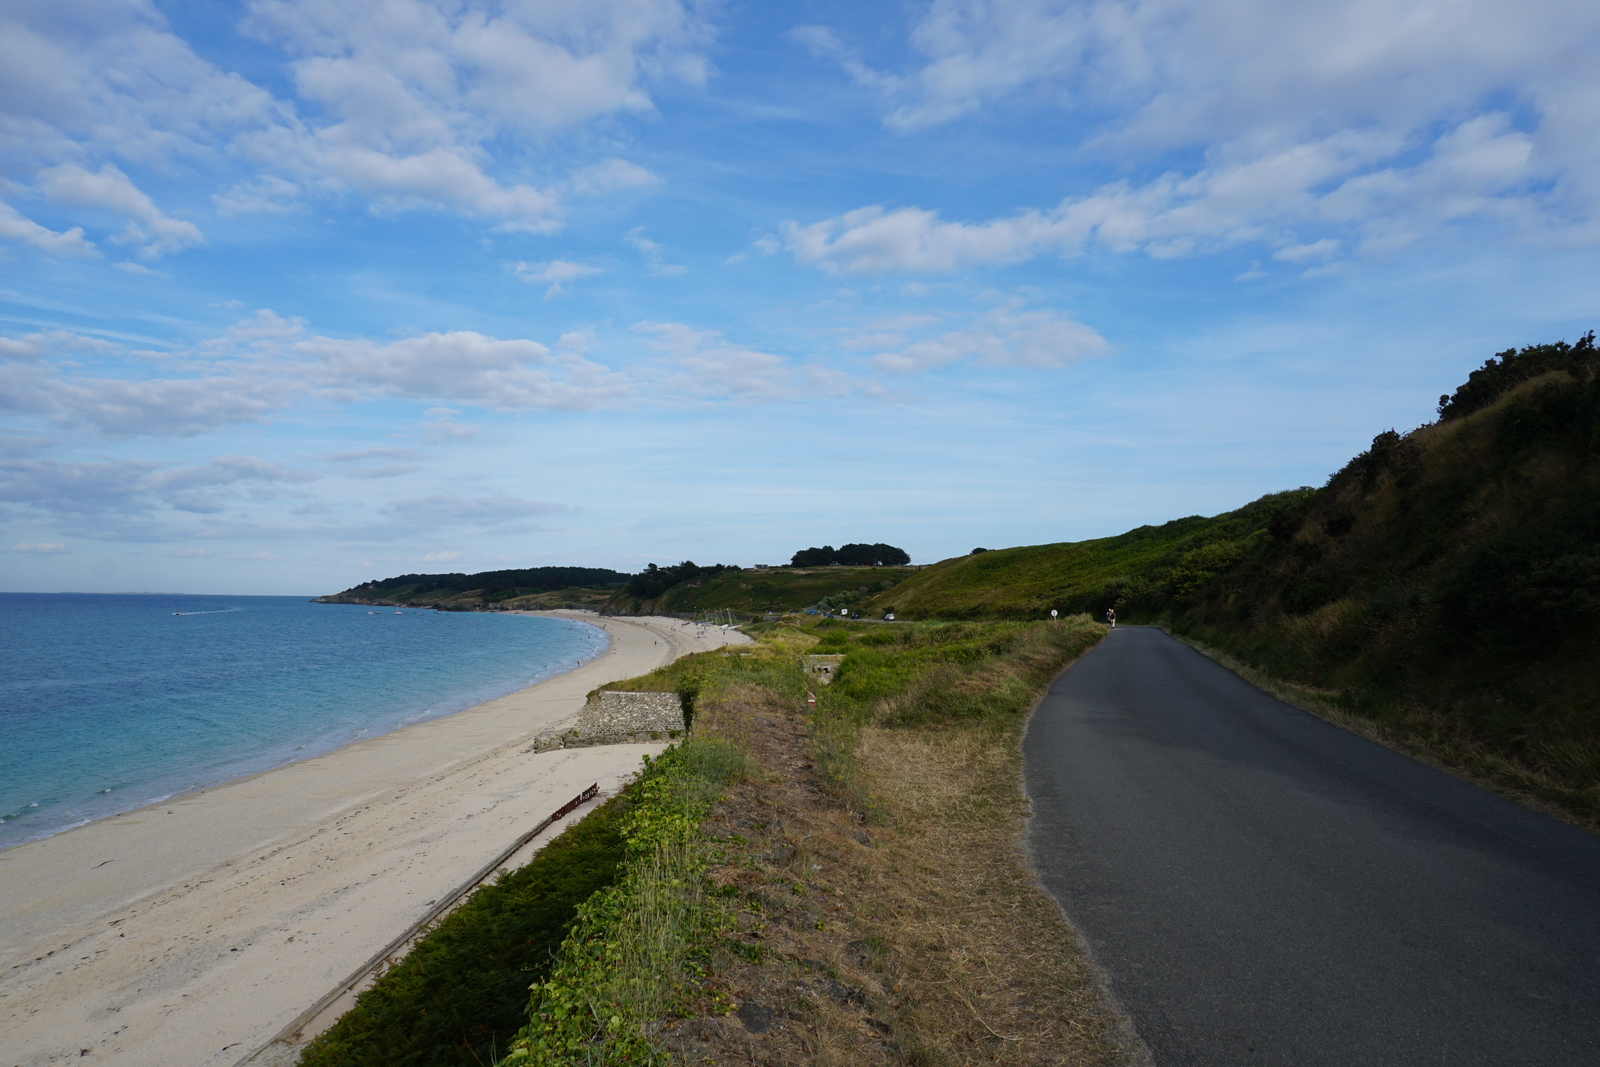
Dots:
(191, 932)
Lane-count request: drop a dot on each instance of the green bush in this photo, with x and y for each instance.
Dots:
(637, 947)
(459, 995)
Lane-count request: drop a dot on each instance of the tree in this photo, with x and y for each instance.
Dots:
(853, 555)
(858, 556)
(653, 581)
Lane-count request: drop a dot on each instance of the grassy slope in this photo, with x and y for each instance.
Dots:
(860, 885)
(752, 592)
(1020, 583)
(1030, 581)
(1445, 586)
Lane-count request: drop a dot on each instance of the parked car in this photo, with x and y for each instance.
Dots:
(889, 617)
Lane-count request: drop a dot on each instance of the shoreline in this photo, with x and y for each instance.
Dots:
(202, 786)
(192, 930)
(177, 784)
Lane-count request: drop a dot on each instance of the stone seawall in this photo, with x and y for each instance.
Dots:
(611, 718)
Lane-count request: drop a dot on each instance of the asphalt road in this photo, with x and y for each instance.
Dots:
(1264, 888)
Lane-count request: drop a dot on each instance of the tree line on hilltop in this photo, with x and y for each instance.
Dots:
(524, 580)
(653, 581)
(879, 555)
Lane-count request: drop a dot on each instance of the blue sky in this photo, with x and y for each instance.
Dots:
(298, 293)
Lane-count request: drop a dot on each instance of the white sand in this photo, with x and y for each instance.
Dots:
(190, 932)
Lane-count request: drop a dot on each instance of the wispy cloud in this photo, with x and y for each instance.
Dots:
(1006, 337)
(555, 273)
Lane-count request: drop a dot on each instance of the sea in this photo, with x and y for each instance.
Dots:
(109, 702)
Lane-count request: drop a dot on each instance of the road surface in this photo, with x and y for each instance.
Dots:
(1264, 888)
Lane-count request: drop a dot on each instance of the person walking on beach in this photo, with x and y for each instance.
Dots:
(1111, 618)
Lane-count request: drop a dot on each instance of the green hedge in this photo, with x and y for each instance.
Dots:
(462, 992)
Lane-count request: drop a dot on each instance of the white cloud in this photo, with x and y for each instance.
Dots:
(19, 349)
(444, 431)
(1322, 249)
(13, 227)
(886, 333)
(108, 78)
(651, 251)
(514, 375)
(110, 190)
(1006, 337)
(40, 547)
(1379, 125)
(414, 94)
(371, 453)
(705, 365)
(555, 273)
(612, 175)
(483, 510)
(267, 362)
(266, 195)
(392, 470)
(125, 497)
(265, 330)
(168, 407)
(225, 470)
(713, 366)
(529, 67)
(1324, 184)
(871, 240)
(410, 103)
(445, 175)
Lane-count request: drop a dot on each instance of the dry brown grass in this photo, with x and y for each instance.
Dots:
(920, 940)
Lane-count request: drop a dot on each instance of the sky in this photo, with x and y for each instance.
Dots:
(300, 293)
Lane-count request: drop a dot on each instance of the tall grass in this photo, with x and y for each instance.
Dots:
(635, 949)
(931, 673)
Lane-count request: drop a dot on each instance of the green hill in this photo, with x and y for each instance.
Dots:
(1444, 585)
(775, 589)
(1072, 577)
(504, 590)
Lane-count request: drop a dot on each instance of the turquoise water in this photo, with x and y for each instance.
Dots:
(110, 702)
